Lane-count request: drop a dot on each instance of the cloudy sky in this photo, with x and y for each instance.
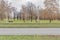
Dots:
(18, 3)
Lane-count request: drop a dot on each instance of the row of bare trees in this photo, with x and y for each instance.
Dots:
(31, 12)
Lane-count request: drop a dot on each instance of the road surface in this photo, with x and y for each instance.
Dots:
(29, 31)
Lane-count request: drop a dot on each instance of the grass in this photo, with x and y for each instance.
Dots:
(30, 37)
(29, 24)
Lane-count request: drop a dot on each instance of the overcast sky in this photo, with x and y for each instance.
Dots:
(18, 3)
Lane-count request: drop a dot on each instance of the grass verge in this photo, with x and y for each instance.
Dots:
(28, 24)
(30, 37)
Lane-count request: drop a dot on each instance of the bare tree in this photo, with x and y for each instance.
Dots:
(52, 7)
(28, 11)
(38, 13)
(4, 8)
(31, 10)
(24, 12)
(14, 13)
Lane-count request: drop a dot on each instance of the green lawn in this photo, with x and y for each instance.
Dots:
(30, 37)
(29, 24)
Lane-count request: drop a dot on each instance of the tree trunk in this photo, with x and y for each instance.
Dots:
(24, 19)
(36, 19)
(14, 16)
(31, 18)
(17, 18)
(50, 20)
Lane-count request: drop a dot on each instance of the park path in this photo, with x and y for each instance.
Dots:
(29, 31)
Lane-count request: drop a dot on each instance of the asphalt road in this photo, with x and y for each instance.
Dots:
(29, 31)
